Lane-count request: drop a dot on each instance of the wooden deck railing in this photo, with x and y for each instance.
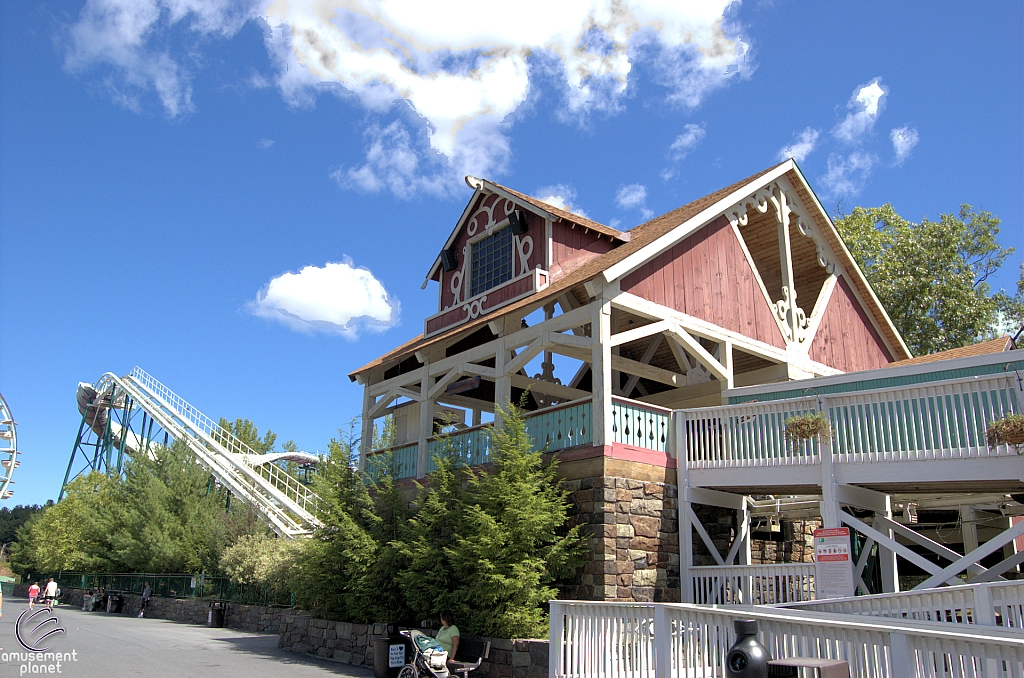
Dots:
(936, 420)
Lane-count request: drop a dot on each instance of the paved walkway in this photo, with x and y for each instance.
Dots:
(114, 645)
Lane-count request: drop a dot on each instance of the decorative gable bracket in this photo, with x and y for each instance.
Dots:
(779, 196)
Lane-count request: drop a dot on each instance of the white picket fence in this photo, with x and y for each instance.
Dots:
(934, 420)
(989, 604)
(753, 584)
(634, 640)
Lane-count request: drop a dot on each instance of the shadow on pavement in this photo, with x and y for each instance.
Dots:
(265, 645)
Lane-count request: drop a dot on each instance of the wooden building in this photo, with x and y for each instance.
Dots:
(610, 330)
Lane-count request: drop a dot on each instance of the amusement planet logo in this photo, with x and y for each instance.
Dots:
(33, 634)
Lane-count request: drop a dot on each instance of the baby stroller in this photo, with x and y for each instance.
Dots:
(429, 660)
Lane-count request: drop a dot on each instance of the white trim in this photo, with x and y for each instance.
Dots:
(694, 223)
(466, 305)
(451, 238)
(882, 373)
(851, 263)
(818, 312)
(760, 280)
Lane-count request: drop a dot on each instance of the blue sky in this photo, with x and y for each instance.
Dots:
(169, 171)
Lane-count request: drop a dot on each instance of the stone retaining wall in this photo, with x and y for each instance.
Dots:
(189, 610)
(352, 644)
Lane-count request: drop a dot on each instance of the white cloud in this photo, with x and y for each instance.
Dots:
(464, 66)
(685, 142)
(802, 147)
(846, 176)
(903, 141)
(119, 34)
(634, 196)
(866, 104)
(265, 143)
(562, 196)
(338, 299)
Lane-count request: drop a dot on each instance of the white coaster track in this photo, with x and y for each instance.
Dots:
(284, 501)
(8, 448)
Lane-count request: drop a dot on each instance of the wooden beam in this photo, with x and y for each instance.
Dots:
(442, 383)
(548, 388)
(697, 326)
(640, 332)
(646, 360)
(525, 356)
(481, 370)
(694, 348)
(379, 406)
(559, 339)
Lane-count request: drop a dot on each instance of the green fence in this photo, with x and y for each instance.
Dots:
(170, 586)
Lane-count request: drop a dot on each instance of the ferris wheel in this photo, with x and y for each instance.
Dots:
(8, 448)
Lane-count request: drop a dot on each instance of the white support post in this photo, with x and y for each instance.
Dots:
(366, 431)
(890, 570)
(503, 384)
(830, 509)
(684, 508)
(743, 552)
(902, 656)
(556, 639)
(601, 372)
(969, 530)
(426, 424)
(662, 642)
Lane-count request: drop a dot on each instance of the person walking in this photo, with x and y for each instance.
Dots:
(50, 593)
(33, 593)
(147, 593)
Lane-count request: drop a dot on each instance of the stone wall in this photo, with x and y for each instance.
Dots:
(352, 644)
(189, 610)
(630, 515)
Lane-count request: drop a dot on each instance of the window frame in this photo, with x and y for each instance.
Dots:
(474, 242)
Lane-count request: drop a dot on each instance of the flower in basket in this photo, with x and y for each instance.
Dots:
(808, 426)
(1007, 431)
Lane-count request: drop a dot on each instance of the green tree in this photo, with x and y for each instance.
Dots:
(1013, 307)
(331, 563)
(931, 277)
(262, 559)
(515, 544)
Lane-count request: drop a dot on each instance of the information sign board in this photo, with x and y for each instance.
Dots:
(833, 563)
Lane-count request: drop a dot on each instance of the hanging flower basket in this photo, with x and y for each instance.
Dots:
(808, 426)
(1007, 431)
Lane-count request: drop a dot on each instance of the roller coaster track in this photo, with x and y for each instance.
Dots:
(283, 500)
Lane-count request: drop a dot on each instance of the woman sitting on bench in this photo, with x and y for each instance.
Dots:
(448, 635)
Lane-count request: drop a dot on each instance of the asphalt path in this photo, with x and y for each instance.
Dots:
(105, 645)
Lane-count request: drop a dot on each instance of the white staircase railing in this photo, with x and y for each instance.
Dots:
(644, 640)
(988, 604)
(283, 500)
(752, 584)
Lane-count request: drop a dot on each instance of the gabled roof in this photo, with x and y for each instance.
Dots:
(647, 234)
(538, 207)
(1004, 343)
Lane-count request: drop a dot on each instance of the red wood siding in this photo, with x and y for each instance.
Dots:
(485, 303)
(707, 276)
(846, 339)
(535, 231)
(571, 248)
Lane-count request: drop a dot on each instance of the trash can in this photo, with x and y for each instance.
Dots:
(215, 617)
(115, 603)
(390, 650)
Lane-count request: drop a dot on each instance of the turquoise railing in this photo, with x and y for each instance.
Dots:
(641, 425)
(402, 462)
(561, 427)
(471, 447)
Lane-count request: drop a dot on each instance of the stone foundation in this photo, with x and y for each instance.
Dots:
(629, 514)
(352, 644)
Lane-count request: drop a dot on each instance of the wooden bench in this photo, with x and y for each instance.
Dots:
(470, 655)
